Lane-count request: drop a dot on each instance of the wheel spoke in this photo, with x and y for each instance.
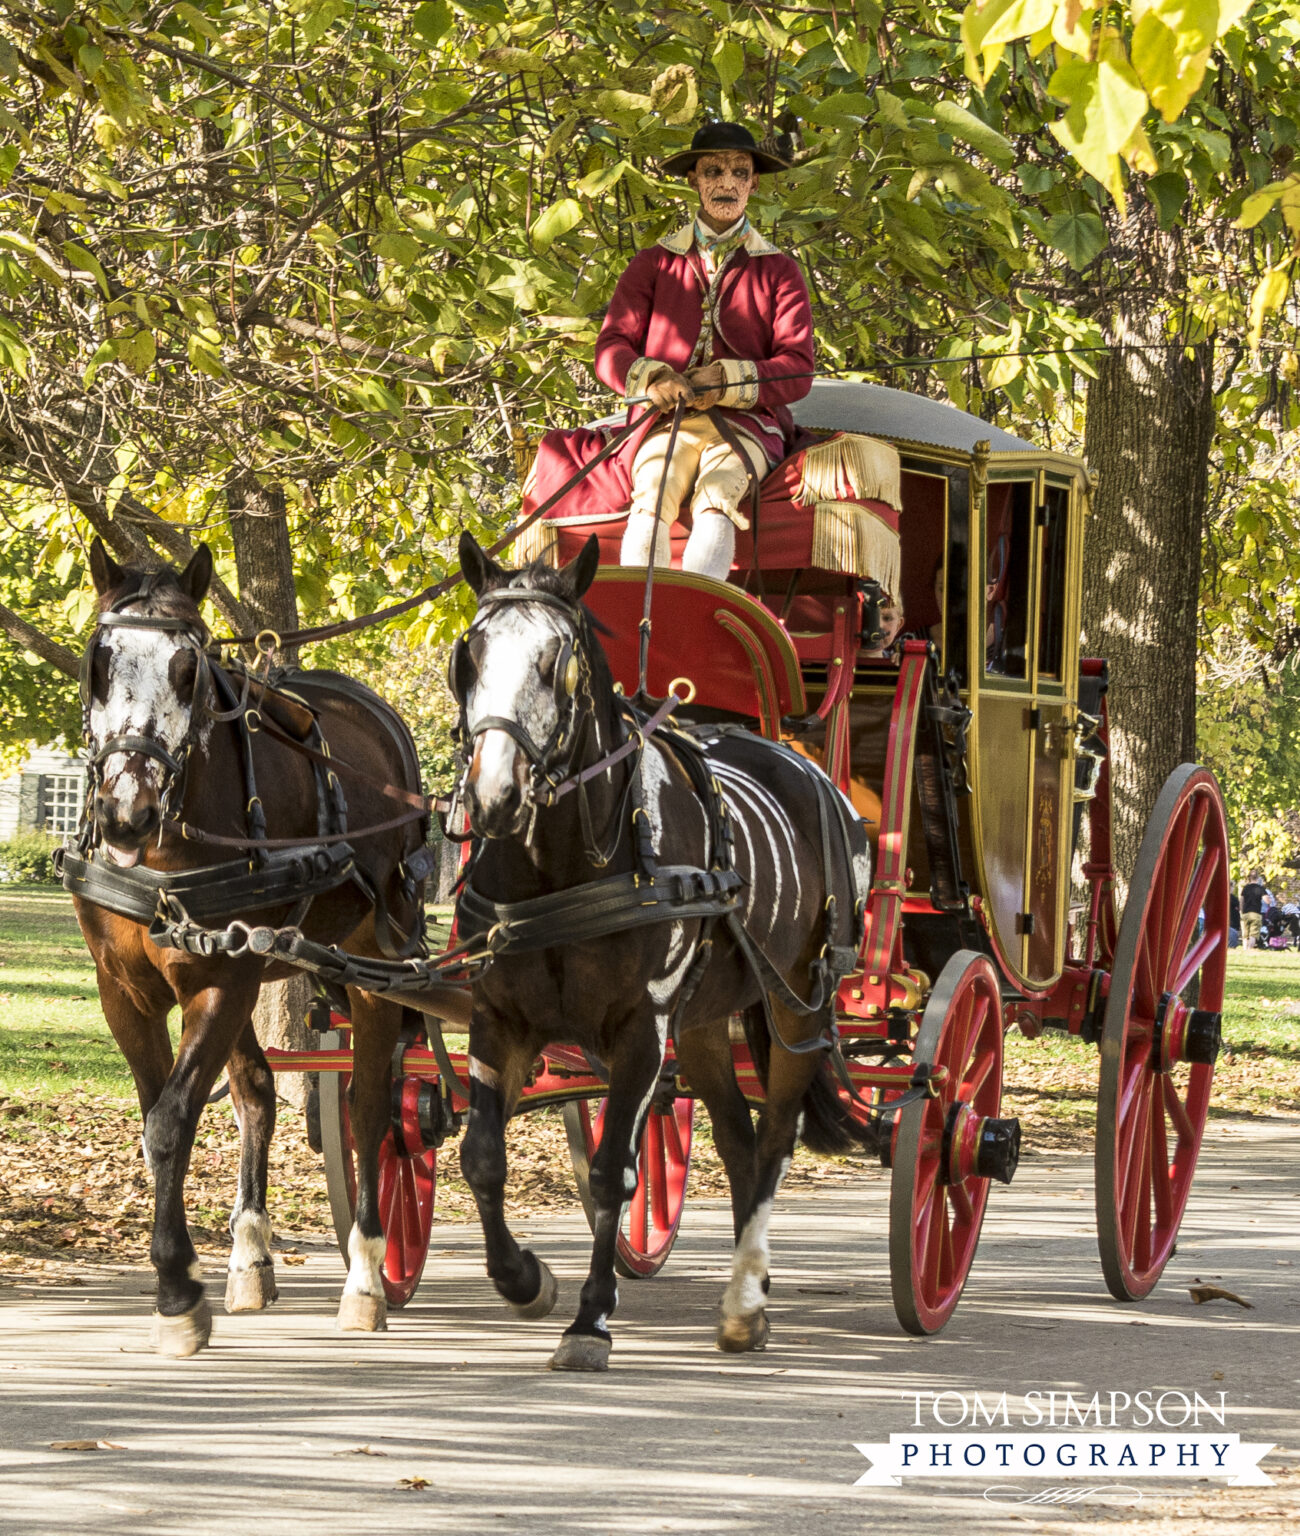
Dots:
(1134, 1181)
(671, 1130)
(1195, 959)
(931, 1255)
(947, 1259)
(1160, 1170)
(638, 1215)
(1183, 1127)
(1205, 873)
(654, 1161)
(962, 1209)
(979, 1073)
(1175, 882)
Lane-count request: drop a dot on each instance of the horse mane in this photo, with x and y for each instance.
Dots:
(167, 600)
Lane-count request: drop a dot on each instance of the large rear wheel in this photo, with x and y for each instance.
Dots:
(652, 1216)
(1162, 1031)
(407, 1180)
(945, 1148)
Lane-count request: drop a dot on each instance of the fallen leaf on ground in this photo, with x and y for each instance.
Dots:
(413, 1484)
(293, 1258)
(85, 1445)
(361, 1450)
(1201, 1293)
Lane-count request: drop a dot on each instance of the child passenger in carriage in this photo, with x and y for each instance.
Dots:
(717, 319)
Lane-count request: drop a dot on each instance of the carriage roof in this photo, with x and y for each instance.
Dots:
(844, 405)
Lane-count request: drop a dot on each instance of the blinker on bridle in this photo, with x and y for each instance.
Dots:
(568, 676)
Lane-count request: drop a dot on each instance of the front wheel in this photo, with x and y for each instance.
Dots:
(652, 1216)
(1162, 1030)
(407, 1183)
(947, 1147)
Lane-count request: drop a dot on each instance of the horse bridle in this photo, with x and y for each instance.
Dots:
(552, 759)
(195, 634)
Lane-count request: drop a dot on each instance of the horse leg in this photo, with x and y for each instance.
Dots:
(706, 1062)
(744, 1317)
(213, 1017)
(633, 1075)
(376, 1026)
(139, 1026)
(498, 1066)
(250, 1280)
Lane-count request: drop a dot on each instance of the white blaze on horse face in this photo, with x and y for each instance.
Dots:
(509, 684)
(141, 701)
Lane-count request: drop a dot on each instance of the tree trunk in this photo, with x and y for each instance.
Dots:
(259, 531)
(280, 1020)
(1150, 426)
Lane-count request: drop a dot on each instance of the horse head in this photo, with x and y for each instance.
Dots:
(141, 685)
(521, 675)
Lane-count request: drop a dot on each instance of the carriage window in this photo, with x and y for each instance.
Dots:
(1055, 519)
(1008, 539)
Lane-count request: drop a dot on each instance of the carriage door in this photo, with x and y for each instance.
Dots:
(1004, 744)
(1047, 874)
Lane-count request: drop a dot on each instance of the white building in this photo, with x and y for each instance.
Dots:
(46, 794)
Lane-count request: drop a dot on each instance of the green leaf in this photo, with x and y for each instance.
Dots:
(1270, 294)
(843, 107)
(511, 61)
(77, 256)
(320, 19)
(138, 351)
(729, 61)
(1169, 192)
(1259, 203)
(1035, 179)
(600, 181)
(196, 21)
(432, 20)
(555, 221)
(1106, 103)
(1080, 237)
(972, 130)
(105, 352)
(621, 103)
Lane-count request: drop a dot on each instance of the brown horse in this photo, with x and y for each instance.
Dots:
(172, 741)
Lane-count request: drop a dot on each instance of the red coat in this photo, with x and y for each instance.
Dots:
(762, 316)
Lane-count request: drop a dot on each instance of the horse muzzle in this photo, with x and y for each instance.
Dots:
(496, 790)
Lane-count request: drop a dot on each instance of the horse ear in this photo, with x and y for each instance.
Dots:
(581, 570)
(197, 575)
(479, 568)
(105, 572)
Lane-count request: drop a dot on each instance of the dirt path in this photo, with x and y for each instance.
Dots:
(450, 1423)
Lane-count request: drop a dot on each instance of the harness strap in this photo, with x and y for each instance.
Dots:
(614, 904)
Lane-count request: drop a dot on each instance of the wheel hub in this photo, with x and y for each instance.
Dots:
(979, 1146)
(1184, 1034)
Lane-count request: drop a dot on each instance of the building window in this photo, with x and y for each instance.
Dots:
(61, 798)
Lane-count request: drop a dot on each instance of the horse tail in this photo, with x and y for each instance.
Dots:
(829, 1128)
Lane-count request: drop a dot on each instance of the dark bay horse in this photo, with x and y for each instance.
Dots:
(538, 706)
(165, 745)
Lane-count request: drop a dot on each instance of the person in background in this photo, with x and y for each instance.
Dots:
(891, 627)
(1252, 907)
(1234, 916)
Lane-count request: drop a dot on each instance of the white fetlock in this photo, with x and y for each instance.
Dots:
(251, 1290)
(544, 1302)
(581, 1352)
(362, 1314)
(739, 1335)
(183, 1335)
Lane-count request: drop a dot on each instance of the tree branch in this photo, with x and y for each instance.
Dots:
(349, 344)
(31, 639)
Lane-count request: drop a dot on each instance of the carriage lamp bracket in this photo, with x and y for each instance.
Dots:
(1093, 1023)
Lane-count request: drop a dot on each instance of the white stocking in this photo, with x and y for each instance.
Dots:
(711, 546)
(636, 541)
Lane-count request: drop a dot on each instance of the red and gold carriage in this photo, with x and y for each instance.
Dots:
(975, 749)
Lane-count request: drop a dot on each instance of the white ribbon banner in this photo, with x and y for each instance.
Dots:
(1168, 1454)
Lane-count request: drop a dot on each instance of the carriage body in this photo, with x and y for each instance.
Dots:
(974, 753)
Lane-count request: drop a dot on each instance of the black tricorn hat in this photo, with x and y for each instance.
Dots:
(716, 138)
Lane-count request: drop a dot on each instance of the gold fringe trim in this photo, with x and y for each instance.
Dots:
(540, 542)
(854, 539)
(851, 467)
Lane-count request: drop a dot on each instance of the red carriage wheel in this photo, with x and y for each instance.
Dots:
(946, 1148)
(1162, 1029)
(652, 1216)
(407, 1181)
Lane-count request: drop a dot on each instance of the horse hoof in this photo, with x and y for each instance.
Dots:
(581, 1352)
(544, 1302)
(249, 1290)
(183, 1335)
(363, 1314)
(739, 1335)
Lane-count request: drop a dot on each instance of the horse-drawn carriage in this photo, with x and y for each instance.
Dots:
(974, 751)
